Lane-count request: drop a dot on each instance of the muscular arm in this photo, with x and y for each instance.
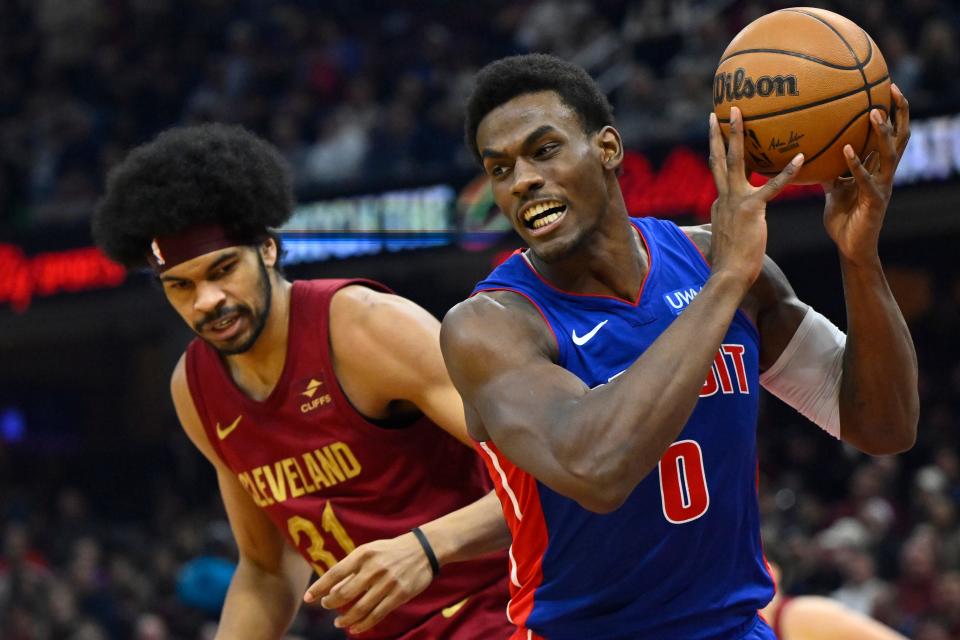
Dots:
(387, 357)
(592, 445)
(264, 593)
(878, 389)
(879, 398)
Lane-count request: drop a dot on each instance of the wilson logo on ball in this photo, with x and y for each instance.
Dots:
(738, 85)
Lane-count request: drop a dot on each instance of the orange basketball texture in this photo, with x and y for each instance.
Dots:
(805, 80)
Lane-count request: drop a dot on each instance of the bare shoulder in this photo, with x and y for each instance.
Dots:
(190, 420)
(179, 387)
(360, 315)
(496, 322)
(357, 302)
(771, 286)
(701, 236)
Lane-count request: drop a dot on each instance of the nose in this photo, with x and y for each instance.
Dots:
(526, 178)
(210, 297)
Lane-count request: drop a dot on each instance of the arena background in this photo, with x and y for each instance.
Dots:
(110, 522)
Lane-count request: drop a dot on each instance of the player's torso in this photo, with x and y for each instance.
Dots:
(329, 479)
(681, 558)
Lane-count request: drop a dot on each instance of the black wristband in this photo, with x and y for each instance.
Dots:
(428, 550)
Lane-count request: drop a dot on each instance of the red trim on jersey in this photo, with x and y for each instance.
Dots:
(763, 554)
(778, 616)
(633, 303)
(529, 538)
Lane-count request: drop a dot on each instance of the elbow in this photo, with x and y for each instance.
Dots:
(882, 429)
(598, 497)
(599, 488)
(891, 439)
(902, 438)
(602, 502)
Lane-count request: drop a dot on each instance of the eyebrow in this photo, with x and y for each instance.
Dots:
(536, 133)
(216, 263)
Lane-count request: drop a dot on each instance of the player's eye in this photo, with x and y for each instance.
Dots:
(546, 149)
(224, 270)
(498, 171)
(177, 285)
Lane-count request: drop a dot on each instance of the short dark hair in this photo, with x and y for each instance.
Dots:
(507, 78)
(210, 173)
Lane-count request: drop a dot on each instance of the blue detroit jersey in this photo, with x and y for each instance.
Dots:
(682, 558)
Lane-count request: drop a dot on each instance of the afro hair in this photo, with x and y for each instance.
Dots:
(505, 79)
(204, 174)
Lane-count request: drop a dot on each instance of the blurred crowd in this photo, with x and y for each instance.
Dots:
(71, 569)
(358, 96)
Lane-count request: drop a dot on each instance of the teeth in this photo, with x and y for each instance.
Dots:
(223, 323)
(537, 209)
(544, 221)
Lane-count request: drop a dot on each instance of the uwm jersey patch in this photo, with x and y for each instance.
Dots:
(329, 479)
(682, 557)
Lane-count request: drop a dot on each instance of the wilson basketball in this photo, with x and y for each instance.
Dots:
(805, 80)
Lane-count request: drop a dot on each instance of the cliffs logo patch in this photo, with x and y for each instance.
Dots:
(312, 387)
(312, 392)
(679, 299)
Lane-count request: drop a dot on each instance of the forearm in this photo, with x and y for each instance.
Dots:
(879, 402)
(259, 605)
(613, 436)
(470, 532)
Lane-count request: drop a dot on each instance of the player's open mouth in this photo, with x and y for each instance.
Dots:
(225, 327)
(539, 215)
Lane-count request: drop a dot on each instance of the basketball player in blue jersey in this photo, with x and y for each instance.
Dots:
(611, 372)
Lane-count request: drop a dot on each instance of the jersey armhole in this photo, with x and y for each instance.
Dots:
(196, 397)
(749, 322)
(561, 347)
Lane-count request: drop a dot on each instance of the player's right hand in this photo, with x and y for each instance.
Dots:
(373, 580)
(739, 229)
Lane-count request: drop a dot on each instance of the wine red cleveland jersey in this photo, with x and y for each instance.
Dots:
(330, 480)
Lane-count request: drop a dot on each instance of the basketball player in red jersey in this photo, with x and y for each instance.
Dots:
(819, 618)
(317, 402)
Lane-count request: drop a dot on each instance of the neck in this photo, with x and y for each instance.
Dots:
(611, 261)
(258, 369)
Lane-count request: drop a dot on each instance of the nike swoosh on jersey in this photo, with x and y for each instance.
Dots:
(451, 611)
(223, 432)
(580, 341)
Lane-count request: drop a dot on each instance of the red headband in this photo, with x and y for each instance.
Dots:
(169, 251)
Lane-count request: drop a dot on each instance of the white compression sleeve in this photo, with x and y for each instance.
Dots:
(807, 374)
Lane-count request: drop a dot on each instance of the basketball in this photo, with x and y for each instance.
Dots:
(805, 80)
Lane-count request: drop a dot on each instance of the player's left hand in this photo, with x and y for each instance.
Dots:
(855, 206)
(373, 580)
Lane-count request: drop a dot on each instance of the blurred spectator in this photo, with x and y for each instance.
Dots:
(356, 98)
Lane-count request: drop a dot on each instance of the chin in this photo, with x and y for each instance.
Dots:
(235, 346)
(555, 249)
(232, 348)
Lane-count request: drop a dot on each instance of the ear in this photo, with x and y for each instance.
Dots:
(268, 251)
(611, 148)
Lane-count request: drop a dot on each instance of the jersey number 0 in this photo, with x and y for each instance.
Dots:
(683, 482)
